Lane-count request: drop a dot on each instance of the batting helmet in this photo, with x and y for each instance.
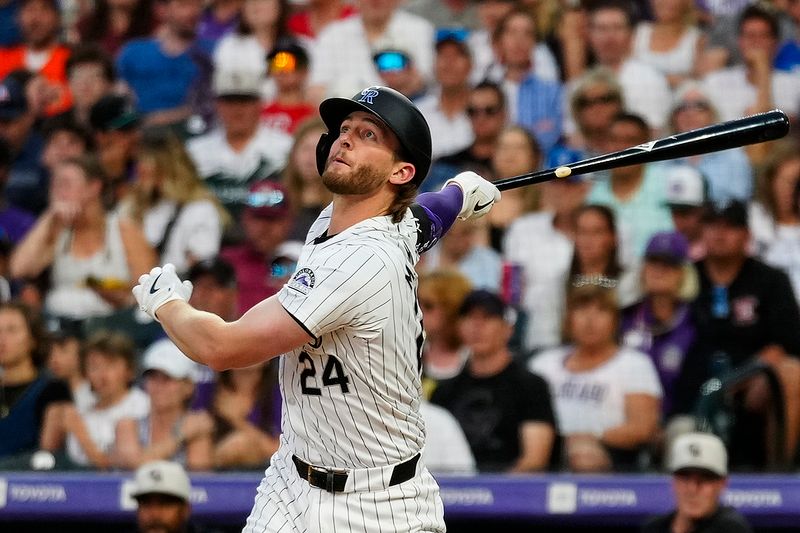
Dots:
(394, 109)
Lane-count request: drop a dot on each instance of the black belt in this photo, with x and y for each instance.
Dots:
(334, 479)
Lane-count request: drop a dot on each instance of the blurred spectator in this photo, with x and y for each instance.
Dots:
(288, 66)
(342, 61)
(169, 431)
(308, 19)
(266, 222)
(262, 26)
(41, 53)
(162, 491)
(445, 105)
(644, 89)
(532, 101)
(64, 139)
(686, 200)
(307, 194)
(14, 222)
(672, 42)
(746, 310)
(9, 26)
(699, 466)
(460, 249)
(397, 70)
(169, 72)
(220, 17)
(485, 61)
(116, 125)
(487, 116)
(446, 448)
(90, 76)
(90, 432)
(504, 410)
(25, 186)
(517, 152)
(241, 150)
(181, 218)
(788, 57)
(215, 288)
(446, 13)
(754, 85)
(596, 259)
(607, 398)
(595, 101)
(636, 193)
(27, 394)
(540, 242)
(64, 361)
(110, 24)
(662, 324)
(773, 217)
(441, 293)
(728, 173)
(94, 257)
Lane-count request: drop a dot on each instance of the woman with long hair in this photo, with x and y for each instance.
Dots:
(181, 218)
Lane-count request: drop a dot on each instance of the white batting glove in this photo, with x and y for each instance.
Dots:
(479, 194)
(160, 286)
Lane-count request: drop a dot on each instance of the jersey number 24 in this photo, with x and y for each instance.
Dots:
(332, 374)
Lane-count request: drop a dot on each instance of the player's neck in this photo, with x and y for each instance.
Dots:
(349, 210)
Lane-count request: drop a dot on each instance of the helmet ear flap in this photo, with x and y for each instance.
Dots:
(323, 150)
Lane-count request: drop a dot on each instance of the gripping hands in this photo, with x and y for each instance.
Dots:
(479, 194)
(160, 286)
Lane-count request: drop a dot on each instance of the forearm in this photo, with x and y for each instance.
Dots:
(629, 435)
(36, 251)
(196, 333)
(442, 207)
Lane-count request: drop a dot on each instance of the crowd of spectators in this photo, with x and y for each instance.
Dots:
(572, 328)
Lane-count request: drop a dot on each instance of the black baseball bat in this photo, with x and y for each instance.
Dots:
(731, 134)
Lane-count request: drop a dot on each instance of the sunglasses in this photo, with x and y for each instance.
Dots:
(585, 101)
(283, 62)
(458, 35)
(265, 199)
(489, 111)
(696, 105)
(391, 60)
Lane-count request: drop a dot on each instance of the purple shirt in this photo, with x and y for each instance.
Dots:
(15, 223)
(666, 344)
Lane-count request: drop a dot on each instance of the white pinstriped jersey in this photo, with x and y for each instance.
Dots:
(351, 397)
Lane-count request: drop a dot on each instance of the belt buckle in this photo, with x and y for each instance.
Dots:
(329, 474)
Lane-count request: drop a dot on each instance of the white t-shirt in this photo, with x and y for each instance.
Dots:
(678, 60)
(102, 423)
(646, 92)
(484, 63)
(446, 448)
(594, 401)
(448, 134)
(731, 93)
(341, 59)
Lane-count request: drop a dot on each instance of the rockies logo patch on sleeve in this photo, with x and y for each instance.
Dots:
(302, 281)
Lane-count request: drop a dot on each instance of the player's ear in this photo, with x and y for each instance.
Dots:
(402, 172)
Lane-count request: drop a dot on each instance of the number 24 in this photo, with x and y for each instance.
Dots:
(332, 374)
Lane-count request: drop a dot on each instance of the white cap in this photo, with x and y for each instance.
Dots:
(163, 355)
(238, 82)
(161, 477)
(699, 450)
(685, 186)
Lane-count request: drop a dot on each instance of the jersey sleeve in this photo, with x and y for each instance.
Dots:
(349, 288)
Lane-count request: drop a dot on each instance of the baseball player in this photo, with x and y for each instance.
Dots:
(350, 327)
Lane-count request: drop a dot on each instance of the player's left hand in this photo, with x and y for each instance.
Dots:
(160, 286)
(479, 194)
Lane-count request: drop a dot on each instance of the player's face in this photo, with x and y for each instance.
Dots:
(697, 493)
(161, 514)
(363, 156)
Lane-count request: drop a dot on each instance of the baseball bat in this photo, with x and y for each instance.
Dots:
(731, 134)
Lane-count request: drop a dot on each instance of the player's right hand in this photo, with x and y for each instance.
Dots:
(479, 194)
(160, 286)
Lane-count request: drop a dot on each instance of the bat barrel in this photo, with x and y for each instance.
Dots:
(732, 134)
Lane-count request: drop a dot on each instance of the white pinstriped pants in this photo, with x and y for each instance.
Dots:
(285, 503)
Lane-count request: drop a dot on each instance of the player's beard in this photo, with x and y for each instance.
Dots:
(362, 179)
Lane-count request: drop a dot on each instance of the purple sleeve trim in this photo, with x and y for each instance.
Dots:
(442, 208)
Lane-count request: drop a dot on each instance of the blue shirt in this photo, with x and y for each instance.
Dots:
(9, 30)
(539, 110)
(788, 57)
(160, 81)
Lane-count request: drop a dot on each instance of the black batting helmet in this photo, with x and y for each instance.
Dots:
(394, 109)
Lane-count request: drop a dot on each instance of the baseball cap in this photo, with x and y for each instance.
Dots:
(456, 36)
(113, 112)
(733, 212)
(161, 477)
(685, 186)
(238, 83)
(483, 300)
(668, 246)
(267, 199)
(219, 269)
(164, 356)
(703, 451)
(13, 103)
